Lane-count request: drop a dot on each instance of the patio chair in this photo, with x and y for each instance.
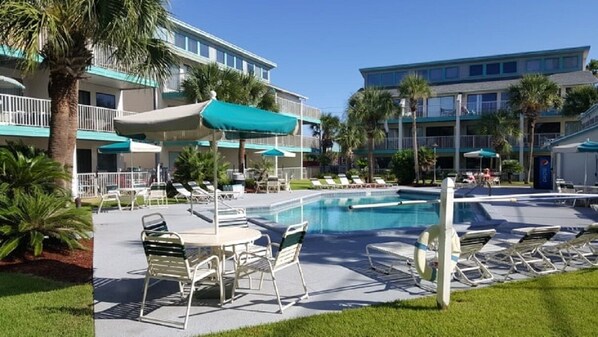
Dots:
(272, 184)
(332, 183)
(287, 256)
(168, 260)
(156, 223)
(469, 269)
(222, 195)
(200, 191)
(357, 180)
(112, 194)
(183, 192)
(345, 181)
(316, 184)
(527, 252)
(579, 248)
(381, 183)
(157, 194)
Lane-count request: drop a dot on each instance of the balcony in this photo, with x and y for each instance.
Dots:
(294, 108)
(35, 112)
(285, 141)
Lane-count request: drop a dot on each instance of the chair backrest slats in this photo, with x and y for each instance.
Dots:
(291, 244)
(154, 222)
(535, 238)
(165, 253)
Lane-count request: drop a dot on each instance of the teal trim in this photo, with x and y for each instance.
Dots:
(173, 95)
(421, 246)
(31, 131)
(121, 76)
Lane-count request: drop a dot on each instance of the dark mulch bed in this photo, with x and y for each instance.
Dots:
(74, 266)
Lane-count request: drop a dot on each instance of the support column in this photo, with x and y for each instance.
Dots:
(457, 136)
(521, 146)
(301, 141)
(402, 113)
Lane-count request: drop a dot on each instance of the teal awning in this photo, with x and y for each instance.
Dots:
(129, 147)
(198, 121)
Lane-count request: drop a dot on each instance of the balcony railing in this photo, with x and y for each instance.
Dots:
(294, 108)
(28, 111)
(285, 141)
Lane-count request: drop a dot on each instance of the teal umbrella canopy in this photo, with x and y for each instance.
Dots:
(275, 152)
(200, 120)
(481, 153)
(588, 146)
(129, 147)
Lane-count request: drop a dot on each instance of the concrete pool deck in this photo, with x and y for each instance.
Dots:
(336, 268)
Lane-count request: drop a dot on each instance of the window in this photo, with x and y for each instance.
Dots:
(387, 79)
(230, 60)
(257, 71)
(533, 65)
(220, 56)
(436, 74)
(476, 70)
(441, 106)
(239, 63)
(551, 63)
(570, 62)
(84, 97)
(204, 50)
(422, 73)
(399, 76)
(482, 103)
(373, 80)
(509, 67)
(492, 68)
(265, 74)
(451, 73)
(250, 68)
(504, 100)
(192, 45)
(105, 100)
(180, 40)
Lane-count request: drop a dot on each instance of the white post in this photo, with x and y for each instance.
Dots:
(301, 140)
(75, 177)
(447, 194)
(521, 146)
(458, 133)
(276, 157)
(402, 113)
(215, 151)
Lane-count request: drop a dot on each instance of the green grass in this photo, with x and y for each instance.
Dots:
(33, 306)
(300, 184)
(555, 305)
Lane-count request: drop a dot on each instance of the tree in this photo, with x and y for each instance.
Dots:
(593, 66)
(413, 88)
(502, 126)
(350, 137)
(533, 94)
(64, 33)
(368, 108)
(326, 131)
(426, 159)
(580, 99)
(195, 165)
(401, 164)
(230, 86)
(511, 167)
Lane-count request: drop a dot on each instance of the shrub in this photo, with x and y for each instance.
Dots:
(402, 166)
(195, 165)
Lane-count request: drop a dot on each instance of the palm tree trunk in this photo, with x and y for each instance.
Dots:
(370, 159)
(63, 91)
(415, 154)
(242, 155)
(532, 126)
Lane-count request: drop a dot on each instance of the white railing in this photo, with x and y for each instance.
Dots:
(476, 142)
(28, 111)
(285, 141)
(94, 184)
(294, 108)
(102, 57)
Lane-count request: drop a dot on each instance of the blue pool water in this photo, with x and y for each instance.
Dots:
(332, 215)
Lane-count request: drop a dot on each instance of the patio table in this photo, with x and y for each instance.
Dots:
(131, 193)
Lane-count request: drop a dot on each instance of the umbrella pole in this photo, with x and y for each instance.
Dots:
(215, 151)
(585, 172)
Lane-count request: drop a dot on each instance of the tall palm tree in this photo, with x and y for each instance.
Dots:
(350, 136)
(533, 94)
(326, 131)
(369, 108)
(231, 86)
(64, 33)
(413, 88)
(502, 126)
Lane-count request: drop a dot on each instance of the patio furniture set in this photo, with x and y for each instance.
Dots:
(330, 183)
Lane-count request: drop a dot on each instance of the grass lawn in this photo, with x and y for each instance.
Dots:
(555, 305)
(33, 306)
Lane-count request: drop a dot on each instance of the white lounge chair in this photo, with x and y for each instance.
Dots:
(357, 180)
(287, 256)
(223, 195)
(316, 184)
(578, 248)
(381, 183)
(527, 252)
(345, 181)
(167, 260)
(331, 183)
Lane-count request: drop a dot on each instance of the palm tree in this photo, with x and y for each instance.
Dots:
(326, 131)
(64, 33)
(231, 86)
(502, 126)
(368, 108)
(413, 88)
(350, 136)
(579, 100)
(533, 94)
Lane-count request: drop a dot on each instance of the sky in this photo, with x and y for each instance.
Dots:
(320, 45)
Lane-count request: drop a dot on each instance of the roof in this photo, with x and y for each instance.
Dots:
(583, 49)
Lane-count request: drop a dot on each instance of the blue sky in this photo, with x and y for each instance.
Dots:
(319, 45)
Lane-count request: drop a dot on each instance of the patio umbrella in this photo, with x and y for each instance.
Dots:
(10, 83)
(200, 120)
(588, 146)
(131, 147)
(481, 153)
(276, 152)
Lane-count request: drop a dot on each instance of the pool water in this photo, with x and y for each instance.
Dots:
(332, 215)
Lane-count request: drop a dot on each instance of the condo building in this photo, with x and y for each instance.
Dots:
(465, 89)
(108, 92)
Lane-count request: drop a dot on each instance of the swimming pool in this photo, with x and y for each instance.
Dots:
(332, 214)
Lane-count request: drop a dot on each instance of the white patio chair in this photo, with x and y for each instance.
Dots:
(316, 184)
(578, 248)
(168, 260)
(112, 194)
(287, 256)
(331, 183)
(357, 180)
(183, 192)
(157, 194)
(345, 181)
